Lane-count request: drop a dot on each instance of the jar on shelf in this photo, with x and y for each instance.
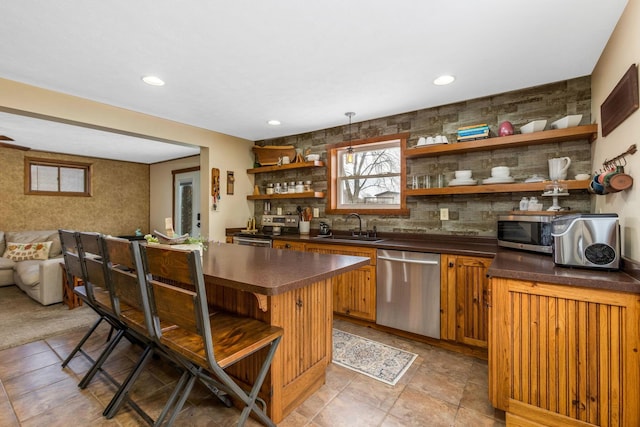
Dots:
(270, 189)
(307, 186)
(299, 187)
(524, 204)
(292, 187)
(277, 189)
(285, 188)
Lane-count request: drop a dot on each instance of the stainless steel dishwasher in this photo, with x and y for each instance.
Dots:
(408, 291)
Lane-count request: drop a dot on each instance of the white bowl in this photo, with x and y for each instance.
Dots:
(313, 157)
(534, 126)
(583, 176)
(500, 172)
(466, 174)
(567, 122)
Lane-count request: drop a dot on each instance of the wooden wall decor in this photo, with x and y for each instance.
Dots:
(621, 102)
(215, 187)
(230, 180)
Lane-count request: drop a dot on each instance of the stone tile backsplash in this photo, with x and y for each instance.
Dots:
(473, 214)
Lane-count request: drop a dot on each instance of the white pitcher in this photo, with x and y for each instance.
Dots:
(558, 168)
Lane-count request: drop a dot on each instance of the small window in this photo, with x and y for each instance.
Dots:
(368, 176)
(52, 177)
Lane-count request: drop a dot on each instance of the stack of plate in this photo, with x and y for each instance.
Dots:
(462, 181)
(499, 180)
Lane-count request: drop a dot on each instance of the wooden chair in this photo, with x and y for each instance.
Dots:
(93, 259)
(131, 303)
(72, 253)
(206, 342)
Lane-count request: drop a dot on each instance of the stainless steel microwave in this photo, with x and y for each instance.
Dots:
(526, 232)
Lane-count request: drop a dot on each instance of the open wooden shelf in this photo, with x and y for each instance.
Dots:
(517, 187)
(589, 132)
(305, 195)
(276, 168)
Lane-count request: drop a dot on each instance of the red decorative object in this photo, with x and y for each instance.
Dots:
(506, 128)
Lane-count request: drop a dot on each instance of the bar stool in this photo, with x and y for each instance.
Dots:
(207, 343)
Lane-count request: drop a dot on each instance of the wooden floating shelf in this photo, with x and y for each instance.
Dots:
(305, 195)
(275, 168)
(589, 132)
(495, 188)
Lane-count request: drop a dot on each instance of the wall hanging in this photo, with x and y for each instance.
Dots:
(621, 102)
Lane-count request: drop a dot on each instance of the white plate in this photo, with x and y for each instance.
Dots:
(535, 178)
(457, 182)
(494, 180)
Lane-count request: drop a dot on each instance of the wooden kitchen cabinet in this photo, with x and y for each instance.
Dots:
(463, 309)
(283, 244)
(563, 355)
(354, 293)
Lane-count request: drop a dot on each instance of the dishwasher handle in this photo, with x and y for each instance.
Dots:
(409, 261)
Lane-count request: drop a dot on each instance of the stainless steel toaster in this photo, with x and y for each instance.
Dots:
(586, 240)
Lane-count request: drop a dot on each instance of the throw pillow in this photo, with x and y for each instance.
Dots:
(25, 251)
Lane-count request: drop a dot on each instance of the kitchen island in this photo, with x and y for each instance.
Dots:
(292, 290)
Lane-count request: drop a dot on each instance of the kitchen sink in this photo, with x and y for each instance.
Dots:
(347, 238)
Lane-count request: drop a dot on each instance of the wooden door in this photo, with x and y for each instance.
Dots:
(564, 355)
(464, 313)
(354, 292)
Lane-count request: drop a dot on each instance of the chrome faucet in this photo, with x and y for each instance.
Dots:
(359, 223)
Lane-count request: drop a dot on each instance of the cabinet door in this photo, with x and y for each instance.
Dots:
(283, 244)
(463, 293)
(563, 355)
(354, 292)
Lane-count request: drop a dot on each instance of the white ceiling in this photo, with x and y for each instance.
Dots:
(230, 66)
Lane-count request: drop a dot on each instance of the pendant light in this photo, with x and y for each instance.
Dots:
(350, 114)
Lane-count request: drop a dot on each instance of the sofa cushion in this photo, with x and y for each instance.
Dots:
(29, 272)
(33, 236)
(27, 251)
(6, 263)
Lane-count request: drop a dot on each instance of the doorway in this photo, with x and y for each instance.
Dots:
(186, 196)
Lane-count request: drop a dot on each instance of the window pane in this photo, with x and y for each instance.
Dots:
(44, 178)
(72, 180)
(372, 179)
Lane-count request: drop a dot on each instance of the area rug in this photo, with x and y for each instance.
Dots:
(23, 320)
(371, 358)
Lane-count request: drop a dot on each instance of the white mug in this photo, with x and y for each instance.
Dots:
(285, 160)
(438, 139)
(422, 140)
(558, 168)
(430, 140)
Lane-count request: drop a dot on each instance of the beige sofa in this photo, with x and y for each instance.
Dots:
(40, 279)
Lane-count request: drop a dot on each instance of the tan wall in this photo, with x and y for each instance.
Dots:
(119, 204)
(217, 150)
(161, 196)
(622, 50)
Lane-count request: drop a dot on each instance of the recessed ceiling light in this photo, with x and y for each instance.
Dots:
(274, 122)
(153, 80)
(444, 80)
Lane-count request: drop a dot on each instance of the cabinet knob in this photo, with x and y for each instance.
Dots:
(287, 245)
(451, 264)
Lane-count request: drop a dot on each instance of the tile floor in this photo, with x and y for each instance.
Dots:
(440, 389)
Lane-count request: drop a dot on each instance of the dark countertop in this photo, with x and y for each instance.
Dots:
(270, 271)
(512, 264)
(456, 245)
(507, 263)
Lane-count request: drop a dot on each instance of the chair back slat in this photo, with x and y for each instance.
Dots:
(126, 288)
(167, 264)
(119, 251)
(90, 243)
(96, 272)
(126, 276)
(176, 306)
(71, 255)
